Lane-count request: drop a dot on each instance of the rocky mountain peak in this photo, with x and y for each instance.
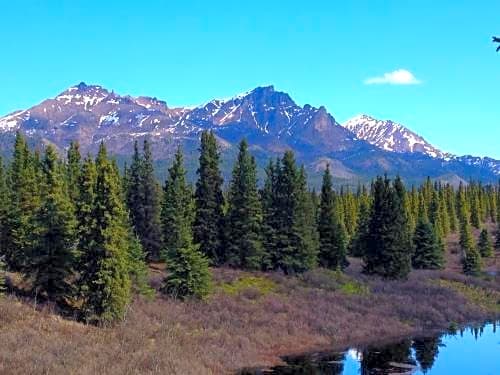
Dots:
(390, 136)
(83, 95)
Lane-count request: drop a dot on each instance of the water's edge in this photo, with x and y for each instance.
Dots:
(404, 354)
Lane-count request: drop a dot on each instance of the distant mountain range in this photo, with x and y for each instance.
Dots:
(270, 120)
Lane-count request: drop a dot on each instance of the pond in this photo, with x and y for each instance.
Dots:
(475, 350)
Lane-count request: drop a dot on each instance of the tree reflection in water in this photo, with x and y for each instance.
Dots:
(417, 355)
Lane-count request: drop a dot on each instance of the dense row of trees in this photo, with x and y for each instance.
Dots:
(81, 231)
(65, 226)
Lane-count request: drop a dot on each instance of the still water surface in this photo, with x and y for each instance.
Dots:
(471, 351)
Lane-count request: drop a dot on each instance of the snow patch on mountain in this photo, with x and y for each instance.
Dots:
(13, 121)
(111, 119)
(390, 136)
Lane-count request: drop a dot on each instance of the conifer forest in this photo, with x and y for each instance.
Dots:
(111, 247)
(81, 232)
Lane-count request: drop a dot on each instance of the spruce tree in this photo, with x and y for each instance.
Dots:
(475, 207)
(294, 246)
(4, 206)
(23, 202)
(135, 191)
(3, 224)
(188, 274)
(451, 208)
(443, 213)
(105, 274)
(51, 258)
(471, 259)
(209, 201)
(143, 201)
(358, 244)
(387, 253)
(332, 237)
(270, 214)
(435, 213)
(403, 221)
(150, 234)
(244, 217)
(427, 253)
(73, 165)
(350, 212)
(87, 225)
(484, 244)
(305, 228)
(285, 249)
(177, 207)
(137, 266)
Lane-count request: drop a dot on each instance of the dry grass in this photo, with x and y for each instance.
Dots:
(250, 320)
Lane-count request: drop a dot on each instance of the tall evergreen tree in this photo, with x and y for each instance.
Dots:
(387, 252)
(471, 259)
(332, 236)
(87, 225)
(244, 217)
(358, 245)
(51, 258)
(427, 254)
(24, 199)
(293, 244)
(137, 266)
(177, 207)
(4, 194)
(143, 201)
(475, 206)
(403, 220)
(305, 228)
(107, 288)
(187, 268)
(270, 213)
(188, 272)
(4, 206)
(484, 244)
(149, 232)
(134, 190)
(73, 165)
(209, 219)
(451, 208)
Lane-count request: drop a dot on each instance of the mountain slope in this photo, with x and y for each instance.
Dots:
(390, 136)
(270, 120)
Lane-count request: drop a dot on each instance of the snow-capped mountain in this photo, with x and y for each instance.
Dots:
(270, 120)
(390, 136)
(395, 137)
(92, 114)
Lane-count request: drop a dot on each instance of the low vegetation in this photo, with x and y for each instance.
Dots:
(249, 319)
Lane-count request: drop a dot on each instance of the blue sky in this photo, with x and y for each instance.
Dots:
(320, 52)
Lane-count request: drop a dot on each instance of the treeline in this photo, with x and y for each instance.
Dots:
(81, 232)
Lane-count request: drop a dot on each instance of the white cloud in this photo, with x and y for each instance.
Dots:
(397, 77)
